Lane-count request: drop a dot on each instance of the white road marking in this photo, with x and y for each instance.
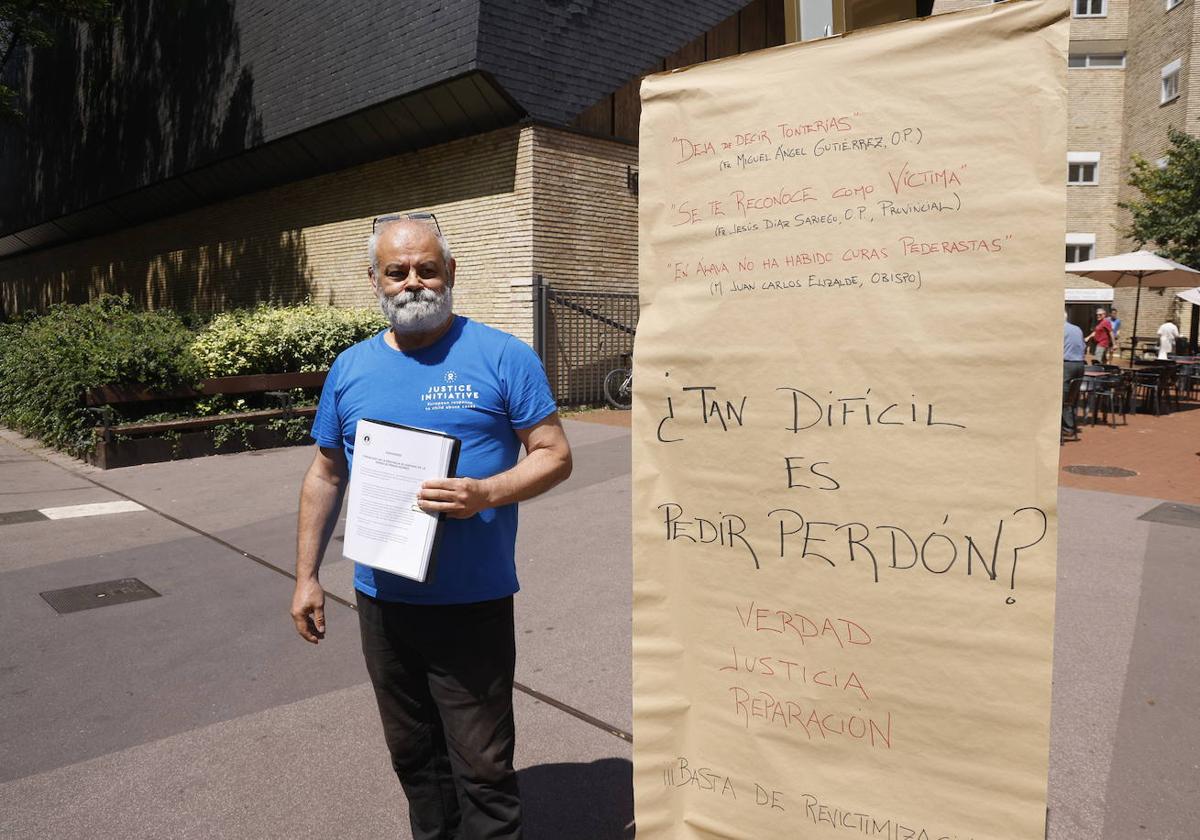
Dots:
(97, 509)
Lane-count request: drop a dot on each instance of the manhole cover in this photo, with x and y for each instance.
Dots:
(1103, 472)
(1173, 514)
(92, 595)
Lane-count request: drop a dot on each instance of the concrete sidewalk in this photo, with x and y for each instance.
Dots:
(201, 714)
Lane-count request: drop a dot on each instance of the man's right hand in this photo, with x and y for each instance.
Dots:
(308, 610)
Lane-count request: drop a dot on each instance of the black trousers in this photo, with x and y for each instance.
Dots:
(1071, 371)
(443, 678)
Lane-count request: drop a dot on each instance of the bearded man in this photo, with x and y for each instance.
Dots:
(441, 654)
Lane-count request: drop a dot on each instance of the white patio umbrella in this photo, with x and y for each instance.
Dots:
(1190, 295)
(1139, 268)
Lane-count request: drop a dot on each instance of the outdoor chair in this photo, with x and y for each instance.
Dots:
(1125, 394)
(1071, 403)
(1178, 374)
(1190, 380)
(1153, 386)
(1170, 384)
(1187, 380)
(1106, 393)
(1087, 386)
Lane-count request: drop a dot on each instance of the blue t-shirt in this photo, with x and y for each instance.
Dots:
(476, 383)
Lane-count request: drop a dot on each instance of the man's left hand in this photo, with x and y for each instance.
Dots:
(458, 498)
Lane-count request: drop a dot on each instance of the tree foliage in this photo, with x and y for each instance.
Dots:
(1168, 212)
(32, 23)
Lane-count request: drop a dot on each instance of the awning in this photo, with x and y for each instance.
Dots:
(1089, 295)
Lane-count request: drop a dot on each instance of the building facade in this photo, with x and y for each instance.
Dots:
(223, 153)
(1133, 72)
(226, 152)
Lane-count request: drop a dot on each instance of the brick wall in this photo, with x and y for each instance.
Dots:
(1113, 25)
(513, 203)
(585, 216)
(1156, 38)
(1095, 111)
(585, 242)
(308, 239)
(1191, 83)
(1095, 114)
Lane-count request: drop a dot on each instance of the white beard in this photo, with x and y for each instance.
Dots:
(417, 312)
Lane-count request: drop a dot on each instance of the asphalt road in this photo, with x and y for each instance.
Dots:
(200, 713)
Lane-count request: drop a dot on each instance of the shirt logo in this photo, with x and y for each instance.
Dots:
(452, 395)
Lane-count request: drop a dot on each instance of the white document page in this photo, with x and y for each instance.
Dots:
(385, 528)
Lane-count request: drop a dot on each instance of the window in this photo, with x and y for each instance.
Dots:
(1080, 246)
(1083, 167)
(1091, 8)
(1079, 253)
(1082, 173)
(816, 19)
(1097, 60)
(1170, 81)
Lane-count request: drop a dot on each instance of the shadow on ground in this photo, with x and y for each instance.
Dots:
(584, 801)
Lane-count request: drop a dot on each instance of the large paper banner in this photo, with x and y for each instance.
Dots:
(847, 392)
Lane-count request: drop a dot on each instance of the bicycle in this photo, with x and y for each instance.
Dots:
(618, 388)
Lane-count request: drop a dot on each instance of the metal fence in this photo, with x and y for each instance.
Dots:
(581, 336)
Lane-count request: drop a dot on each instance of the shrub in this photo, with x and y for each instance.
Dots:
(47, 363)
(281, 339)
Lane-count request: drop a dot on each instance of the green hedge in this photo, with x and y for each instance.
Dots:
(281, 339)
(47, 363)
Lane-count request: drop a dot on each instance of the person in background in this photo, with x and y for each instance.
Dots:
(1116, 330)
(1101, 336)
(1072, 374)
(1168, 334)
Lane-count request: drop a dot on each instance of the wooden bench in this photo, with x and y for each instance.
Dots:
(276, 386)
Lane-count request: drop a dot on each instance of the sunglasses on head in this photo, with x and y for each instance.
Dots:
(396, 217)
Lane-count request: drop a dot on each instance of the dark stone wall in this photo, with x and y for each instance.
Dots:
(177, 84)
(557, 57)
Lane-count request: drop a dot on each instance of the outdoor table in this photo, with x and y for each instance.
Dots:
(1139, 346)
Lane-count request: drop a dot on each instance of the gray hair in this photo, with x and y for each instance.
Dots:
(373, 242)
